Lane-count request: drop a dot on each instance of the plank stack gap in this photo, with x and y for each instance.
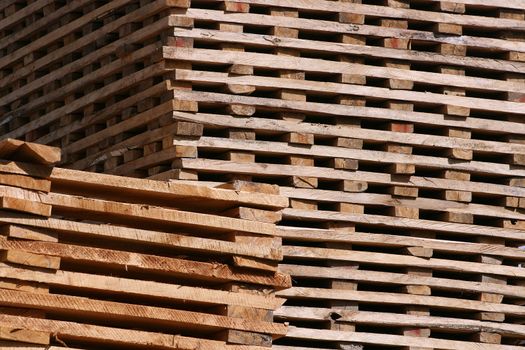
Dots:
(394, 127)
(94, 261)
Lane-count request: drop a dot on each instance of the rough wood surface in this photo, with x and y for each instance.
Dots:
(391, 133)
(104, 238)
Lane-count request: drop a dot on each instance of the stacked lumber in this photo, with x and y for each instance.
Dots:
(395, 127)
(87, 76)
(92, 261)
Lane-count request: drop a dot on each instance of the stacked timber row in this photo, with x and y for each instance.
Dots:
(395, 128)
(91, 261)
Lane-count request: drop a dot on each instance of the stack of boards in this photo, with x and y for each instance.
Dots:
(395, 127)
(92, 261)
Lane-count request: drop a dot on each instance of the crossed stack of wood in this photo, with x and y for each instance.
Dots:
(94, 261)
(395, 127)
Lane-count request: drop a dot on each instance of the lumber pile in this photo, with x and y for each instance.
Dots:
(395, 127)
(92, 261)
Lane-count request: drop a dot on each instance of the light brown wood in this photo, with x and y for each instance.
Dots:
(23, 286)
(367, 30)
(25, 182)
(172, 292)
(387, 137)
(20, 257)
(392, 340)
(400, 260)
(24, 335)
(146, 263)
(11, 345)
(400, 299)
(387, 12)
(31, 152)
(154, 315)
(111, 335)
(21, 200)
(160, 190)
(126, 234)
(24, 205)
(32, 234)
(365, 317)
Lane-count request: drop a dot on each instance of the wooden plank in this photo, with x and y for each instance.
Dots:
(392, 340)
(384, 221)
(391, 240)
(390, 12)
(129, 131)
(10, 345)
(400, 260)
(79, 43)
(32, 234)
(30, 152)
(97, 117)
(424, 140)
(90, 308)
(149, 213)
(164, 190)
(244, 337)
(19, 257)
(327, 26)
(76, 84)
(24, 205)
(255, 263)
(122, 147)
(23, 286)
(317, 65)
(390, 200)
(416, 117)
(22, 199)
(446, 324)
(114, 336)
(359, 154)
(24, 335)
(511, 4)
(32, 170)
(26, 182)
(252, 214)
(148, 263)
(135, 121)
(399, 299)
(73, 229)
(262, 40)
(209, 165)
(315, 272)
(366, 30)
(133, 287)
(9, 146)
(247, 186)
(421, 140)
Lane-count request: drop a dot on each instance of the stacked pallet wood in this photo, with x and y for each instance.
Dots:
(395, 127)
(91, 261)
